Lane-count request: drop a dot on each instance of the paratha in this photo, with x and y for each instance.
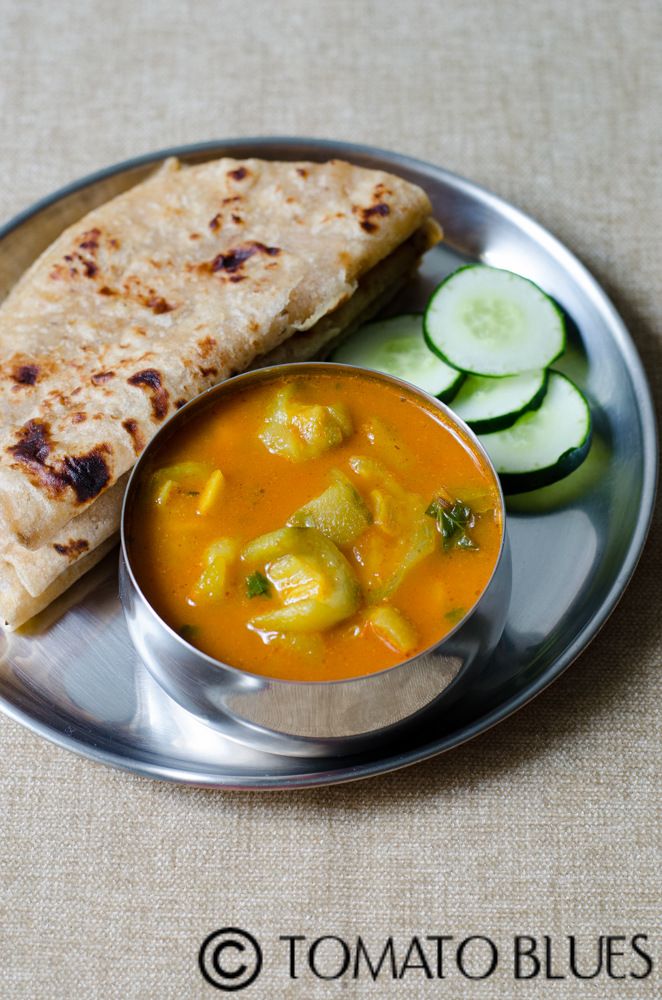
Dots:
(174, 285)
(36, 569)
(18, 605)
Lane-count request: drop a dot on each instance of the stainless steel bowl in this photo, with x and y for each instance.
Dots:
(298, 717)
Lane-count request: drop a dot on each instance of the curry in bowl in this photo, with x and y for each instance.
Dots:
(316, 525)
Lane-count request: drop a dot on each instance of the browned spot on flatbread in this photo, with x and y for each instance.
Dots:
(137, 437)
(239, 173)
(179, 403)
(381, 208)
(99, 378)
(57, 398)
(85, 474)
(207, 346)
(233, 260)
(34, 443)
(158, 304)
(302, 172)
(90, 240)
(150, 379)
(234, 197)
(74, 547)
(106, 290)
(366, 214)
(78, 418)
(215, 223)
(206, 372)
(237, 219)
(89, 267)
(25, 374)
(75, 262)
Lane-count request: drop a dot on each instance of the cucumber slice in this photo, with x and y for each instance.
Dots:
(492, 404)
(396, 346)
(544, 445)
(486, 321)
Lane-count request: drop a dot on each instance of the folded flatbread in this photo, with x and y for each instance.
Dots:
(19, 605)
(194, 275)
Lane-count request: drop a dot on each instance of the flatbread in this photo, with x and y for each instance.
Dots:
(110, 330)
(375, 291)
(161, 292)
(36, 569)
(18, 605)
(26, 573)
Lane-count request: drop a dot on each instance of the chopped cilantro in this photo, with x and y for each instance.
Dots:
(454, 519)
(455, 615)
(257, 584)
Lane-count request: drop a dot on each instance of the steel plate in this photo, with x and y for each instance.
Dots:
(77, 681)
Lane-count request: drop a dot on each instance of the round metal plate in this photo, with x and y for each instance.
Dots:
(77, 681)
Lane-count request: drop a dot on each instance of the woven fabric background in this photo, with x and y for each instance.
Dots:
(548, 824)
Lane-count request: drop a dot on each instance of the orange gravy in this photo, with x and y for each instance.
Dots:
(417, 445)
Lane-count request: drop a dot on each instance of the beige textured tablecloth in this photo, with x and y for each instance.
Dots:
(550, 823)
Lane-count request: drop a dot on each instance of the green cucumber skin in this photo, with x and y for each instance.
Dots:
(449, 394)
(446, 395)
(513, 483)
(435, 350)
(507, 420)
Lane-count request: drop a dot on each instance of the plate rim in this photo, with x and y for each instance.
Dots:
(650, 458)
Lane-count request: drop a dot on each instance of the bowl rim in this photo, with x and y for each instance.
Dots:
(268, 372)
